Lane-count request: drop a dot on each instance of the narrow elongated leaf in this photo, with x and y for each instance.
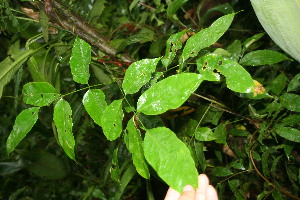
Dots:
(39, 93)
(168, 94)
(62, 118)
(138, 74)
(237, 78)
(112, 120)
(10, 65)
(262, 57)
(290, 101)
(135, 147)
(206, 37)
(170, 158)
(174, 6)
(221, 171)
(80, 61)
(23, 124)
(95, 104)
(289, 133)
(126, 178)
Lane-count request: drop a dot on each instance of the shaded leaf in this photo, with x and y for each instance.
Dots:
(288, 133)
(278, 84)
(7, 168)
(39, 93)
(290, 101)
(112, 120)
(170, 158)
(234, 186)
(138, 74)
(206, 37)
(221, 171)
(127, 176)
(62, 118)
(166, 94)
(95, 104)
(204, 134)
(262, 57)
(294, 84)
(174, 6)
(220, 134)
(252, 39)
(80, 61)
(135, 147)
(23, 124)
(235, 49)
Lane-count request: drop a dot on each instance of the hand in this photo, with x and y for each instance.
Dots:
(203, 192)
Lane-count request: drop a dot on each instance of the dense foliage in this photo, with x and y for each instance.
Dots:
(119, 99)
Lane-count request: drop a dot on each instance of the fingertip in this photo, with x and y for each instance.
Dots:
(203, 182)
(172, 194)
(211, 193)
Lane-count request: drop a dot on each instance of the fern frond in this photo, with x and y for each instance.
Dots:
(5, 11)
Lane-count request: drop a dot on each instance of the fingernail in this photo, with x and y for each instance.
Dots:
(188, 188)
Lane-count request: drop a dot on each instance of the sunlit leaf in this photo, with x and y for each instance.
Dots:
(206, 37)
(237, 78)
(138, 74)
(204, 134)
(170, 158)
(112, 120)
(290, 101)
(262, 57)
(23, 124)
(135, 147)
(95, 104)
(288, 133)
(80, 61)
(39, 93)
(62, 118)
(169, 93)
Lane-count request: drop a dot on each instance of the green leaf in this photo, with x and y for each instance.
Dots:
(127, 176)
(237, 78)
(206, 37)
(294, 84)
(7, 168)
(135, 147)
(33, 67)
(39, 93)
(221, 171)
(170, 158)
(174, 6)
(220, 134)
(80, 61)
(278, 84)
(95, 104)
(288, 133)
(204, 134)
(252, 39)
(112, 120)
(115, 169)
(262, 57)
(223, 8)
(290, 101)
(62, 118)
(167, 94)
(234, 186)
(138, 74)
(173, 44)
(10, 65)
(23, 124)
(235, 49)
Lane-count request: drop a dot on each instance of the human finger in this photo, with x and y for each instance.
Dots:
(188, 193)
(172, 194)
(211, 193)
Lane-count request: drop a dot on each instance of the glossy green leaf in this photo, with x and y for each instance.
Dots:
(252, 39)
(174, 6)
(62, 118)
(290, 101)
(221, 171)
(138, 74)
(237, 78)
(168, 94)
(23, 124)
(170, 158)
(294, 84)
(39, 93)
(204, 134)
(206, 37)
(135, 147)
(235, 49)
(112, 120)
(95, 104)
(80, 61)
(262, 57)
(173, 44)
(289, 133)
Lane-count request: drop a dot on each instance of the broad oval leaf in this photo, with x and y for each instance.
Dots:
(289, 133)
(221, 171)
(237, 78)
(169, 93)
(23, 124)
(80, 61)
(112, 120)
(39, 93)
(206, 37)
(204, 134)
(62, 118)
(135, 147)
(170, 158)
(138, 74)
(262, 57)
(95, 104)
(294, 85)
(290, 101)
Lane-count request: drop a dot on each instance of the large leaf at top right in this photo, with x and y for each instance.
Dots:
(237, 78)
(206, 37)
